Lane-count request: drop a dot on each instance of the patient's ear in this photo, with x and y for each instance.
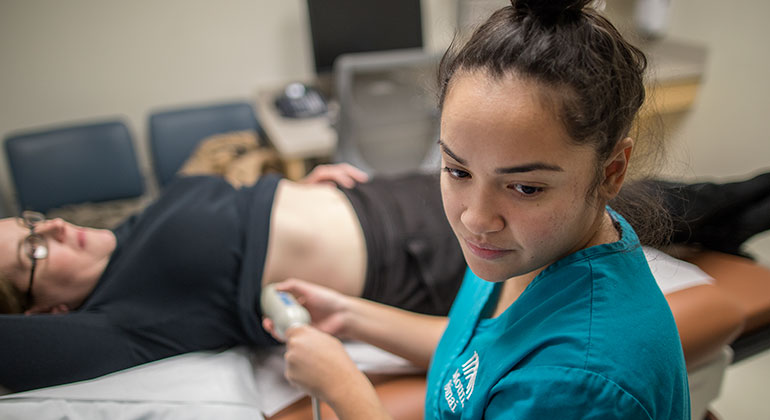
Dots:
(54, 310)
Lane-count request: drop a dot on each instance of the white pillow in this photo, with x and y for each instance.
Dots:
(673, 274)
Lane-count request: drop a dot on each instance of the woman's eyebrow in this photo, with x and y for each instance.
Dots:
(451, 154)
(529, 167)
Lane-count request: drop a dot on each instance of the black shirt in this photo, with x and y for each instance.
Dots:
(184, 276)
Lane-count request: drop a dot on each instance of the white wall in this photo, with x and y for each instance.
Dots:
(75, 60)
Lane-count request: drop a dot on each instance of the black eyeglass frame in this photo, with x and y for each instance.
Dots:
(30, 245)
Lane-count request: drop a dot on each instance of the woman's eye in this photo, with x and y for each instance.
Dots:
(456, 173)
(526, 190)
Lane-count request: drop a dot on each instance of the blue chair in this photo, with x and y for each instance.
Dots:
(75, 164)
(174, 134)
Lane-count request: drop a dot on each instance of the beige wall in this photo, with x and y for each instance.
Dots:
(75, 60)
(79, 60)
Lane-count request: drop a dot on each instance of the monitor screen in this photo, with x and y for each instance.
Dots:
(347, 26)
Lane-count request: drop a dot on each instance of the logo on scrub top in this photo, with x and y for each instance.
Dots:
(455, 392)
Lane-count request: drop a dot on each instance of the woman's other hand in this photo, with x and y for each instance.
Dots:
(342, 174)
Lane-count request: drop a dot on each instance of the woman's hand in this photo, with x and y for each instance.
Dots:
(327, 307)
(318, 363)
(342, 174)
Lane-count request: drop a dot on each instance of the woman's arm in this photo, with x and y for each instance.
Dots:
(45, 350)
(407, 334)
(317, 362)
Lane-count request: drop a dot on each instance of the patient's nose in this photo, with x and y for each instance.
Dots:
(54, 228)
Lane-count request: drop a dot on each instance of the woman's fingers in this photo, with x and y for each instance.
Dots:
(316, 361)
(269, 326)
(342, 174)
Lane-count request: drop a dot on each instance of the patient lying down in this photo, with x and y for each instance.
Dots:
(185, 274)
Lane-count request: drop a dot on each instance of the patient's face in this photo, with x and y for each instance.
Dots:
(514, 185)
(76, 257)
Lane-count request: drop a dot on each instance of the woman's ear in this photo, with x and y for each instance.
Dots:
(54, 310)
(616, 166)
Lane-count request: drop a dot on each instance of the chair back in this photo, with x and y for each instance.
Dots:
(73, 164)
(174, 134)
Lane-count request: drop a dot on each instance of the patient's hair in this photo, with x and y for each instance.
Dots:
(581, 59)
(12, 301)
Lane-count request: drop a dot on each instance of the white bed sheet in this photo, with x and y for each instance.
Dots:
(673, 274)
(239, 383)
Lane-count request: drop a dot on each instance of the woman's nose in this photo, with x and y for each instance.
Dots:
(480, 216)
(53, 228)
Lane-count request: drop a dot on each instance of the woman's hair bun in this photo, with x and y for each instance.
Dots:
(550, 10)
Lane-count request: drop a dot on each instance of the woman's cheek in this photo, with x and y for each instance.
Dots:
(452, 206)
(539, 230)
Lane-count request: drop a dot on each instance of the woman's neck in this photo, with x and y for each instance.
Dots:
(604, 232)
(512, 289)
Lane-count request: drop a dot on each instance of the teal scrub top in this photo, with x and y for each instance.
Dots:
(591, 337)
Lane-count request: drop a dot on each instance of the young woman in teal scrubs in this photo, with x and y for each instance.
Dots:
(558, 315)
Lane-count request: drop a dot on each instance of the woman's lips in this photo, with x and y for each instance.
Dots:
(81, 239)
(487, 252)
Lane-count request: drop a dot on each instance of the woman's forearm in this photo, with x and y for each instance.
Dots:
(358, 401)
(407, 334)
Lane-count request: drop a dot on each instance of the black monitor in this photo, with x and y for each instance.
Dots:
(347, 26)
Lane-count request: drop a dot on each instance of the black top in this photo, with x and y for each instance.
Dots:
(177, 282)
(413, 259)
